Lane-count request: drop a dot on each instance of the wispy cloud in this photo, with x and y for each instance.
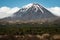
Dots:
(55, 10)
(7, 11)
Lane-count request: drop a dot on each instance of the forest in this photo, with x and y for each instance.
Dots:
(29, 28)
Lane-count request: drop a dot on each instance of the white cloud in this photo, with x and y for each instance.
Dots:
(55, 10)
(7, 11)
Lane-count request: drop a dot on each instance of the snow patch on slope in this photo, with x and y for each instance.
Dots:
(27, 6)
(37, 6)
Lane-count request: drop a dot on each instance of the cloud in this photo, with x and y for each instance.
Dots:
(7, 11)
(55, 10)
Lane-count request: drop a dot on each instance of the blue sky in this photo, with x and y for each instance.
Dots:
(20, 3)
(8, 7)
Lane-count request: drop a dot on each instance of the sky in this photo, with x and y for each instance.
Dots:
(8, 7)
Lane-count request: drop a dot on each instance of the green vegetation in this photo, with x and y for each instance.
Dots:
(29, 28)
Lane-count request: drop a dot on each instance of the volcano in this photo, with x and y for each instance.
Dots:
(32, 12)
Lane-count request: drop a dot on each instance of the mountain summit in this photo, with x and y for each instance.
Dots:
(35, 6)
(32, 12)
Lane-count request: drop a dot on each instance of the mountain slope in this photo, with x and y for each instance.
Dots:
(32, 12)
